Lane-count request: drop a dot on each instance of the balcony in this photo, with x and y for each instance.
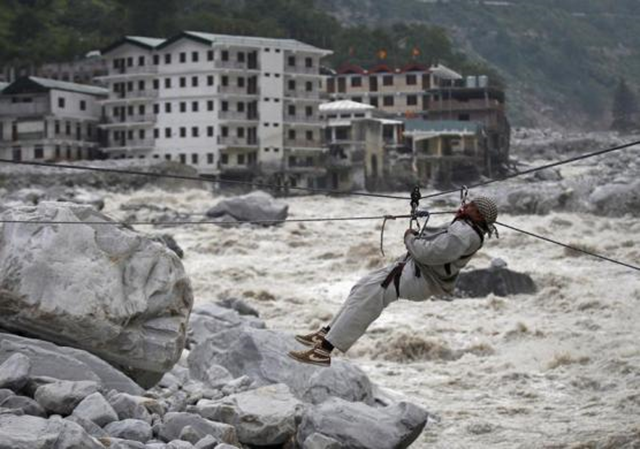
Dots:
(237, 116)
(131, 145)
(302, 143)
(235, 90)
(237, 142)
(235, 65)
(125, 97)
(302, 70)
(24, 109)
(147, 119)
(302, 118)
(138, 71)
(300, 93)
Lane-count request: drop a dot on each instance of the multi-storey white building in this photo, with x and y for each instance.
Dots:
(43, 119)
(231, 106)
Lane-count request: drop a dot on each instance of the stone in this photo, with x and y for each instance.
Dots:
(319, 441)
(174, 422)
(11, 411)
(89, 426)
(5, 393)
(27, 405)
(217, 376)
(497, 281)
(50, 362)
(119, 443)
(132, 407)
(14, 372)
(30, 432)
(208, 442)
(239, 306)
(96, 408)
(179, 444)
(155, 445)
(255, 206)
(209, 319)
(63, 396)
(225, 446)
(103, 288)
(357, 426)
(130, 429)
(170, 242)
(262, 355)
(264, 416)
(238, 385)
(616, 200)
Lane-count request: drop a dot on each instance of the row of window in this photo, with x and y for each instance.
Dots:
(39, 152)
(194, 158)
(387, 80)
(183, 107)
(62, 103)
(387, 100)
(183, 57)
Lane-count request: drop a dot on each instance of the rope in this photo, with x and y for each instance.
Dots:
(534, 169)
(546, 239)
(177, 223)
(199, 179)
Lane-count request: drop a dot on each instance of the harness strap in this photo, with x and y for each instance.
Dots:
(394, 275)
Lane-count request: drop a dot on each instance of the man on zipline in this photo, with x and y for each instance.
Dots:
(430, 268)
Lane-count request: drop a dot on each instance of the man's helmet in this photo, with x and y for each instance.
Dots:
(487, 208)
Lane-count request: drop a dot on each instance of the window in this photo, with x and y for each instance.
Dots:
(291, 84)
(241, 159)
(356, 81)
(387, 80)
(309, 86)
(411, 80)
(209, 105)
(83, 105)
(61, 102)
(225, 131)
(225, 80)
(67, 128)
(195, 131)
(291, 109)
(130, 86)
(388, 100)
(58, 152)
(309, 135)
(141, 85)
(156, 59)
(156, 133)
(240, 57)
(156, 109)
(183, 81)
(141, 110)
(183, 158)
(195, 56)
(57, 127)
(183, 57)
(167, 108)
(167, 133)
(141, 134)
(210, 55)
(225, 159)
(240, 132)
(291, 134)
(194, 157)
(167, 83)
(308, 111)
(412, 100)
(38, 153)
(167, 157)
(156, 84)
(240, 107)
(167, 58)
(374, 101)
(464, 117)
(183, 131)
(224, 106)
(357, 99)
(183, 106)
(308, 62)
(209, 80)
(209, 131)
(140, 60)
(240, 82)
(194, 106)
(209, 158)
(130, 61)
(291, 61)
(224, 55)
(194, 81)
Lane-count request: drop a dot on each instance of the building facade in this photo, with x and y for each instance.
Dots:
(233, 107)
(43, 119)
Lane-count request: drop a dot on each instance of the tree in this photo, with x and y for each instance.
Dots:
(625, 108)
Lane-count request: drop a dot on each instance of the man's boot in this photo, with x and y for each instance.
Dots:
(314, 356)
(312, 339)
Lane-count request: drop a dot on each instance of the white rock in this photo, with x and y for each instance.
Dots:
(264, 416)
(63, 396)
(14, 372)
(174, 423)
(30, 432)
(96, 408)
(27, 405)
(130, 429)
(102, 288)
(319, 441)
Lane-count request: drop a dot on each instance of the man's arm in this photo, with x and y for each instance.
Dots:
(446, 247)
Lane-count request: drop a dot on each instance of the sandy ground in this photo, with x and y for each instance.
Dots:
(560, 368)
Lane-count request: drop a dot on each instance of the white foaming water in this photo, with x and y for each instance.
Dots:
(559, 367)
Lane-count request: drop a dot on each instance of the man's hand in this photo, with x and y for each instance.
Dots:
(410, 231)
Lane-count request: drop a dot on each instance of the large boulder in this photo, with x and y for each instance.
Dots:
(64, 363)
(262, 417)
(14, 372)
(616, 200)
(357, 426)
(261, 354)
(255, 206)
(497, 280)
(30, 432)
(104, 288)
(208, 319)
